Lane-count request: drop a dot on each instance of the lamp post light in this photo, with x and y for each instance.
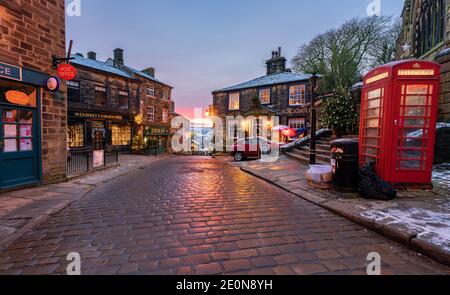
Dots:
(314, 86)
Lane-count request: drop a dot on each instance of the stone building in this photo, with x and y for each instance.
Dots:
(33, 119)
(279, 93)
(110, 102)
(426, 35)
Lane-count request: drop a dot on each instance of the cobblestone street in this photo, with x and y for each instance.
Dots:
(187, 215)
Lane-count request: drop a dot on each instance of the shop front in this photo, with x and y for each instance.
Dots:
(20, 138)
(99, 131)
(157, 137)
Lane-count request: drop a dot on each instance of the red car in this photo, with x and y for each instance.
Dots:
(252, 148)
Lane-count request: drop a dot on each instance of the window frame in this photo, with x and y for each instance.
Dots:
(431, 26)
(297, 118)
(151, 91)
(291, 98)
(120, 95)
(230, 96)
(269, 91)
(165, 116)
(165, 95)
(151, 115)
(100, 89)
(78, 89)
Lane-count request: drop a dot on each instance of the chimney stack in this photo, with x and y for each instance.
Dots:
(92, 55)
(277, 64)
(149, 71)
(118, 57)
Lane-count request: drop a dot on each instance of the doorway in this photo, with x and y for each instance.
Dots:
(19, 146)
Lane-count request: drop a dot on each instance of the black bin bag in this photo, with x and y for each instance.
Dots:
(373, 187)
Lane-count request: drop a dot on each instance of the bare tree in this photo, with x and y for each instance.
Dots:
(342, 55)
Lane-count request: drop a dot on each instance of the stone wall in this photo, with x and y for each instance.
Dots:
(279, 103)
(157, 102)
(444, 97)
(30, 33)
(89, 78)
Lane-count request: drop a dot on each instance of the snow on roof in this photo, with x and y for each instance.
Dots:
(99, 65)
(142, 74)
(280, 78)
(109, 67)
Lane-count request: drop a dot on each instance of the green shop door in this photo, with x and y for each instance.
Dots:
(19, 146)
(162, 145)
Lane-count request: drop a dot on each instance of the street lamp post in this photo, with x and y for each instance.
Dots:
(312, 153)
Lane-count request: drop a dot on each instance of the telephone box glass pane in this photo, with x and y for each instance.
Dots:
(372, 125)
(411, 154)
(417, 89)
(415, 111)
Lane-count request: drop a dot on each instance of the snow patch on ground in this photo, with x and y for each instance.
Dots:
(430, 225)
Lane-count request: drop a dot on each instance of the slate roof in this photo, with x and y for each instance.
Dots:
(99, 65)
(108, 67)
(142, 74)
(280, 78)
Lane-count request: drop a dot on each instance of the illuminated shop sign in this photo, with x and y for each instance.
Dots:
(10, 72)
(152, 131)
(97, 116)
(416, 72)
(377, 78)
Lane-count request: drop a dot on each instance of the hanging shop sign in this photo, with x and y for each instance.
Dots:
(17, 97)
(10, 72)
(157, 131)
(53, 84)
(66, 71)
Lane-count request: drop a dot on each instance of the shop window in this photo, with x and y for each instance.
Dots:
(75, 135)
(165, 116)
(297, 95)
(264, 96)
(151, 114)
(73, 91)
(431, 25)
(151, 91)
(124, 100)
(297, 123)
(234, 102)
(100, 96)
(121, 135)
(17, 130)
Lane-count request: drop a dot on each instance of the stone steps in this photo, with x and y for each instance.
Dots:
(323, 153)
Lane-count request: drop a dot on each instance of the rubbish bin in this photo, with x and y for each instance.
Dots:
(345, 162)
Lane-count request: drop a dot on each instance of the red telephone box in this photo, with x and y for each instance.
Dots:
(398, 121)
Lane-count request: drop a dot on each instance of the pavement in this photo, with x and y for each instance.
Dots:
(22, 210)
(197, 215)
(417, 219)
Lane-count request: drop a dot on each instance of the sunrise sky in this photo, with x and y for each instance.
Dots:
(199, 46)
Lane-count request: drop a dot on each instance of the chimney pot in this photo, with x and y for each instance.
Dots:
(92, 55)
(118, 57)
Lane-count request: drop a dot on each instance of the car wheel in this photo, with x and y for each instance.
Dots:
(238, 157)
